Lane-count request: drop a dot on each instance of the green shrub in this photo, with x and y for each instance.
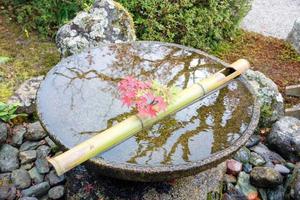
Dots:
(198, 23)
(45, 16)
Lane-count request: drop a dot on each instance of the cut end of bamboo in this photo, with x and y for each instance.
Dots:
(59, 170)
(241, 65)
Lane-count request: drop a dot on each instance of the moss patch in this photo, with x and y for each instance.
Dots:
(28, 55)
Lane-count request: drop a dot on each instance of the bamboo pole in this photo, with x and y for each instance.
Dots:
(132, 125)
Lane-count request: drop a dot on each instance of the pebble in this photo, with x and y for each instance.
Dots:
(265, 177)
(276, 193)
(28, 198)
(56, 192)
(42, 165)
(43, 151)
(36, 176)
(247, 168)
(53, 179)
(18, 135)
(28, 145)
(263, 194)
(52, 145)
(254, 140)
(268, 155)
(7, 192)
(8, 158)
(243, 185)
(35, 131)
(233, 167)
(37, 190)
(21, 178)
(27, 166)
(289, 165)
(27, 156)
(3, 132)
(243, 155)
(281, 169)
(256, 159)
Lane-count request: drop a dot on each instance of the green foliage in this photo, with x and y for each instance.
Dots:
(45, 16)
(7, 111)
(198, 23)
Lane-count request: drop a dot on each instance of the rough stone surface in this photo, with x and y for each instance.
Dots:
(294, 35)
(256, 159)
(28, 198)
(56, 192)
(25, 95)
(43, 151)
(35, 131)
(7, 192)
(243, 185)
(233, 167)
(269, 156)
(36, 190)
(281, 169)
(243, 155)
(28, 145)
(285, 138)
(272, 106)
(3, 132)
(193, 187)
(265, 177)
(27, 156)
(53, 179)
(18, 135)
(21, 178)
(42, 165)
(8, 158)
(36, 176)
(106, 22)
(276, 193)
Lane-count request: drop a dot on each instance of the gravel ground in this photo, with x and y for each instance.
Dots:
(272, 17)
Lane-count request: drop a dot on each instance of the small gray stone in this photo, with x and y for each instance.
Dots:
(25, 95)
(8, 158)
(294, 35)
(42, 165)
(256, 159)
(43, 151)
(36, 190)
(3, 132)
(21, 178)
(254, 140)
(281, 169)
(27, 166)
(243, 185)
(53, 179)
(27, 156)
(7, 192)
(35, 131)
(36, 176)
(28, 145)
(5, 178)
(56, 192)
(18, 134)
(285, 138)
(265, 177)
(243, 155)
(269, 156)
(276, 193)
(106, 22)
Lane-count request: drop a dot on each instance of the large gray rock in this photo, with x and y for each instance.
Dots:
(294, 36)
(3, 132)
(8, 158)
(265, 177)
(285, 138)
(106, 22)
(272, 106)
(25, 95)
(21, 178)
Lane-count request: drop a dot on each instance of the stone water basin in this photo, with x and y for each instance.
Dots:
(79, 99)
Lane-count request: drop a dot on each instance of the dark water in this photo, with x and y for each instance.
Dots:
(79, 97)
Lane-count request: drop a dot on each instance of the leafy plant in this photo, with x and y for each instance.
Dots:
(7, 111)
(198, 23)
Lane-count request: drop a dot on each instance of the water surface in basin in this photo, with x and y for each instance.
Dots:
(79, 98)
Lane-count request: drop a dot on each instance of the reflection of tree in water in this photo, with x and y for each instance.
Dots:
(133, 60)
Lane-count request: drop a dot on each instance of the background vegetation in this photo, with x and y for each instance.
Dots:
(198, 23)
